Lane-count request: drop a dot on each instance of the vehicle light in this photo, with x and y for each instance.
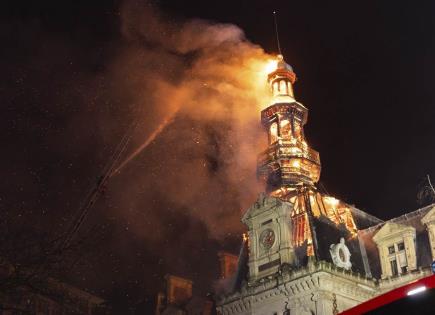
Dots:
(416, 290)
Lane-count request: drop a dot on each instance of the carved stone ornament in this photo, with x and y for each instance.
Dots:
(267, 238)
(340, 255)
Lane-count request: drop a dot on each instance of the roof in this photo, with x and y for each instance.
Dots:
(364, 253)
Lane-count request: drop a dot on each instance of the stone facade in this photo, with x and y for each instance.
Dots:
(319, 285)
(318, 288)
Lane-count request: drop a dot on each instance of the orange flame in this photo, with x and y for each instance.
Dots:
(245, 237)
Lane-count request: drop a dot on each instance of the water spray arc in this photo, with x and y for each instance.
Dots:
(166, 122)
(99, 186)
(111, 170)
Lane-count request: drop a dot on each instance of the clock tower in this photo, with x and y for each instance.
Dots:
(288, 167)
(269, 235)
(288, 163)
(283, 217)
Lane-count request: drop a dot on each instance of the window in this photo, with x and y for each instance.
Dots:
(397, 257)
(282, 87)
(289, 89)
(275, 88)
(285, 129)
(273, 132)
(393, 264)
(297, 128)
(396, 244)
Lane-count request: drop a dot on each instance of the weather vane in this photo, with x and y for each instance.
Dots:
(276, 31)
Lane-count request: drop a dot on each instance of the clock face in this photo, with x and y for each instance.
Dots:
(267, 238)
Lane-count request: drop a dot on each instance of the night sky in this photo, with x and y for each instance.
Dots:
(69, 89)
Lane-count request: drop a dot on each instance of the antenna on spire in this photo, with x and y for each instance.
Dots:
(276, 32)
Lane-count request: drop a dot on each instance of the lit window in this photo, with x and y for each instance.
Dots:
(285, 129)
(297, 127)
(273, 132)
(275, 88)
(282, 87)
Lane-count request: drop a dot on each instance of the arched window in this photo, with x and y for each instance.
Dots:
(273, 132)
(282, 87)
(275, 88)
(298, 131)
(285, 129)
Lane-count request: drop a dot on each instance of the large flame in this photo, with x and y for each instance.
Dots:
(270, 66)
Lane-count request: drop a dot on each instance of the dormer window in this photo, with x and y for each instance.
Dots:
(429, 221)
(396, 246)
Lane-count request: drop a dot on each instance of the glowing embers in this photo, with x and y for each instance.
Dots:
(299, 169)
(340, 213)
(245, 237)
(301, 232)
(246, 241)
(335, 210)
(286, 192)
(289, 163)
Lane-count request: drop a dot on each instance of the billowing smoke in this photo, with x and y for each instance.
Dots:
(195, 88)
(205, 83)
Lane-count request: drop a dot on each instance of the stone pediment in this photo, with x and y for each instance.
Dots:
(263, 204)
(429, 217)
(390, 229)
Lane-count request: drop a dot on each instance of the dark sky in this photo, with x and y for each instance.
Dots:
(365, 71)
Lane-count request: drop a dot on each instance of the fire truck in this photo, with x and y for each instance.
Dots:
(414, 298)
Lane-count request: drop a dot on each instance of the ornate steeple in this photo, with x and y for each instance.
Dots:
(288, 162)
(289, 168)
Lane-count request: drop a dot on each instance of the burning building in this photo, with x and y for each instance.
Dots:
(306, 252)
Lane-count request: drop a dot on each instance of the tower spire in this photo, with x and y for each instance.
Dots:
(288, 162)
(276, 32)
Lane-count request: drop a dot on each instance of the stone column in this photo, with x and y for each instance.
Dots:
(324, 302)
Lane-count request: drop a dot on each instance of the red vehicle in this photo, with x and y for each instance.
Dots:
(415, 298)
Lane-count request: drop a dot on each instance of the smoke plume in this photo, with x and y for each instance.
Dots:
(194, 87)
(209, 81)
